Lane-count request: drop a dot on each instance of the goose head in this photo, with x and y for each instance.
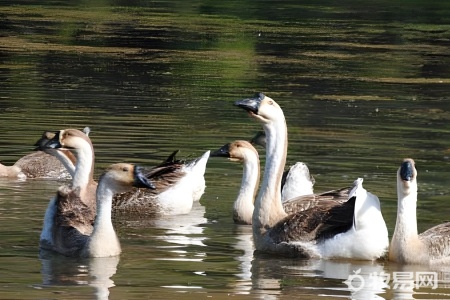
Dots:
(123, 176)
(407, 177)
(68, 139)
(236, 151)
(49, 135)
(262, 108)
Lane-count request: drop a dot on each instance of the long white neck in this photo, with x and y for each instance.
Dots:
(268, 208)
(84, 167)
(406, 225)
(243, 206)
(103, 241)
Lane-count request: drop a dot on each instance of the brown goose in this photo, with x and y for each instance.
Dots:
(178, 183)
(79, 195)
(59, 164)
(242, 151)
(431, 247)
(353, 229)
(102, 241)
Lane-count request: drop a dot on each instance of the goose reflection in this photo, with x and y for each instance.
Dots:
(244, 243)
(184, 229)
(282, 276)
(58, 270)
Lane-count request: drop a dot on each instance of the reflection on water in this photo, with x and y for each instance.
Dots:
(362, 85)
(95, 272)
(244, 243)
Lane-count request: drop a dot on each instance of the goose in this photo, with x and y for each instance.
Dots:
(243, 151)
(45, 163)
(431, 247)
(80, 193)
(294, 182)
(178, 185)
(103, 241)
(354, 229)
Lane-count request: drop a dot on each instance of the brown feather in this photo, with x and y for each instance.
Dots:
(40, 164)
(141, 201)
(437, 239)
(309, 201)
(326, 219)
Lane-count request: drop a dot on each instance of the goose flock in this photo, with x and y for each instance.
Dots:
(286, 216)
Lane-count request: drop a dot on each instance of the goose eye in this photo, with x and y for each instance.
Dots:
(125, 169)
(270, 102)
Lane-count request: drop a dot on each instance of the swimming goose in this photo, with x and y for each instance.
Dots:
(80, 193)
(353, 229)
(407, 246)
(103, 241)
(58, 165)
(244, 152)
(294, 182)
(178, 185)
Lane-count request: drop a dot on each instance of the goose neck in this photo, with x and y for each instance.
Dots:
(104, 207)
(243, 206)
(406, 224)
(268, 208)
(84, 167)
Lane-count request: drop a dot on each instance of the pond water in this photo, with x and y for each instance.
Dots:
(363, 85)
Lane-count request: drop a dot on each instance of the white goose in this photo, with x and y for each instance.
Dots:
(354, 229)
(431, 247)
(103, 242)
(296, 180)
(244, 152)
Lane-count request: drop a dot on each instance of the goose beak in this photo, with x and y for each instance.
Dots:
(251, 104)
(407, 170)
(45, 138)
(224, 151)
(140, 181)
(48, 140)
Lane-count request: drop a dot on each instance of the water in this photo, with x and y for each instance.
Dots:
(362, 85)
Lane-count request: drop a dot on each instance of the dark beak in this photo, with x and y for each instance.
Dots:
(407, 170)
(140, 181)
(222, 152)
(48, 140)
(251, 104)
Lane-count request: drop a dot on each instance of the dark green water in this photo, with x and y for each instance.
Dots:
(362, 85)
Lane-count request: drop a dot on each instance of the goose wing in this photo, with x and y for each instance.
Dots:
(72, 211)
(326, 219)
(73, 222)
(437, 239)
(163, 176)
(306, 202)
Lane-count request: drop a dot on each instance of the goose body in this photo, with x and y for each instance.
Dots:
(45, 163)
(178, 185)
(320, 231)
(296, 180)
(431, 247)
(102, 241)
(79, 195)
(35, 165)
(244, 152)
